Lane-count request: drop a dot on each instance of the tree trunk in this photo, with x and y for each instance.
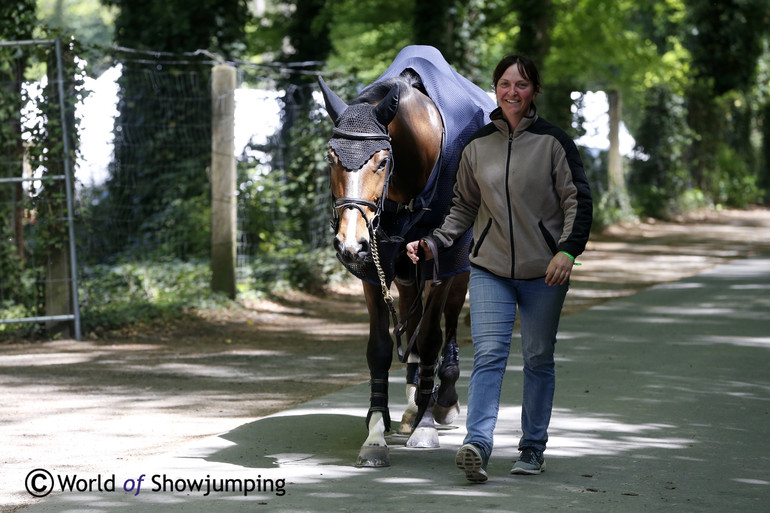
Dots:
(616, 176)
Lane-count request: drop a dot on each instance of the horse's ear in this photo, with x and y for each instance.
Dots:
(334, 104)
(386, 110)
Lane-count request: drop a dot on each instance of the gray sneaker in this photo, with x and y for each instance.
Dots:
(470, 461)
(531, 462)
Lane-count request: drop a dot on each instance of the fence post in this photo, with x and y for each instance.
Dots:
(62, 265)
(223, 180)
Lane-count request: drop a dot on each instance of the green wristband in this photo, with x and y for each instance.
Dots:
(571, 258)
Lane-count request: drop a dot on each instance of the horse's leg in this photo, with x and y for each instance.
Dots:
(407, 293)
(429, 342)
(447, 406)
(379, 354)
(410, 413)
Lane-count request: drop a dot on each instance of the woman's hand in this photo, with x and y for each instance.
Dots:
(411, 251)
(559, 269)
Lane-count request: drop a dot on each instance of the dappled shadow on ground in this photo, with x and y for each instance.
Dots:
(658, 402)
(646, 394)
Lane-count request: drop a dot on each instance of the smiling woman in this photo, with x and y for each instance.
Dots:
(522, 187)
(516, 84)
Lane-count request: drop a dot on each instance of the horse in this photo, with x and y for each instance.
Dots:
(389, 147)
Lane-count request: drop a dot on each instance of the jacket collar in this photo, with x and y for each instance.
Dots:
(496, 116)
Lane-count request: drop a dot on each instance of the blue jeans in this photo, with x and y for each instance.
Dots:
(493, 302)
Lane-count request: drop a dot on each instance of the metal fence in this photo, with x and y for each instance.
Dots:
(38, 259)
(137, 175)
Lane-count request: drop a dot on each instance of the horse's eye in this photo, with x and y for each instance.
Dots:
(330, 158)
(383, 164)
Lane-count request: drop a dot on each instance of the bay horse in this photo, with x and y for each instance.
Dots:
(388, 148)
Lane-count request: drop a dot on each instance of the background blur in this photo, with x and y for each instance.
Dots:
(669, 101)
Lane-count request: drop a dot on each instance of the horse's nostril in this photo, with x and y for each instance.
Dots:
(337, 243)
(364, 247)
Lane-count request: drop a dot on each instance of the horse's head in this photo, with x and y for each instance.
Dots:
(360, 156)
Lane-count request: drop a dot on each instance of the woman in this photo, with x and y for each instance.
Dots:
(522, 187)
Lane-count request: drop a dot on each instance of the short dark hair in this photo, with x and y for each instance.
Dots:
(526, 66)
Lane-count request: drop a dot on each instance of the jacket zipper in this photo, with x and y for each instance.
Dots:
(508, 197)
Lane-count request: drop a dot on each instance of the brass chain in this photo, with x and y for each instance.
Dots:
(380, 273)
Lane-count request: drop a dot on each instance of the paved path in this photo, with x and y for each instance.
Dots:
(662, 404)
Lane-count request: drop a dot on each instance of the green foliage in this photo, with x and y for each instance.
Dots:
(733, 183)
(179, 229)
(181, 25)
(726, 41)
(17, 20)
(91, 22)
(134, 293)
(659, 177)
(294, 267)
(611, 209)
(162, 149)
(764, 170)
(367, 35)
(38, 135)
(288, 205)
(158, 187)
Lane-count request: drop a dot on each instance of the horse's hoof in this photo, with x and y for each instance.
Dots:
(423, 438)
(445, 415)
(407, 423)
(373, 456)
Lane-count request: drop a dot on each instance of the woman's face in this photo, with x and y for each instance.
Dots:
(515, 95)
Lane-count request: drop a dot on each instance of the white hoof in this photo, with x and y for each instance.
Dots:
(407, 421)
(423, 438)
(371, 456)
(410, 414)
(445, 415)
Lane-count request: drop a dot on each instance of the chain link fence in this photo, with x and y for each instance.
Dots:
(137, 179)
(38, 281)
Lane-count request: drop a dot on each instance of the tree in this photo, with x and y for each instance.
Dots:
(164, 119)
(595, 44)
(725, 39)
(91, 22)
(431, 23)
(17, 22)
(366, 35)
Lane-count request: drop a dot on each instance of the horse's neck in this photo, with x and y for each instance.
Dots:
(416, 133)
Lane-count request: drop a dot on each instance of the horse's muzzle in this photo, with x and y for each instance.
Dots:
(356, 253)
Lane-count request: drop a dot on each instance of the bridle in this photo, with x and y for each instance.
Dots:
(341, 204)
(344, 203)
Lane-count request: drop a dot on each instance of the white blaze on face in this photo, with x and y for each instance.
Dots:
(354, 191)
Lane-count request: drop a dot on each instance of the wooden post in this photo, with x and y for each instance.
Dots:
(223, 180)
